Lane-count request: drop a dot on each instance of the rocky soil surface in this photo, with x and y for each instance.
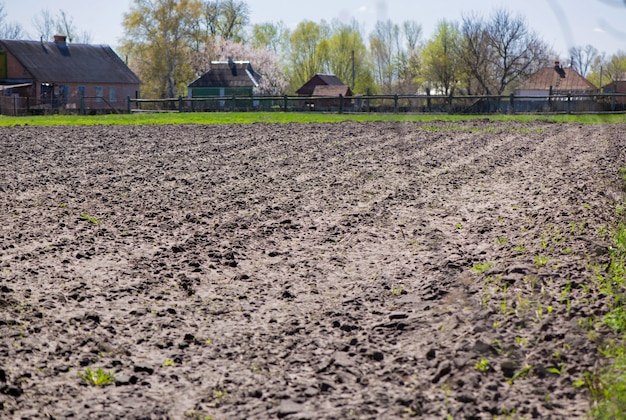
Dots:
(304, 271)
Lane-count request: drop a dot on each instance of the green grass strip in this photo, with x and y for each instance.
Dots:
(289, 117)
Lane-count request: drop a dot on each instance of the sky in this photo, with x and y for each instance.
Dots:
(561, 23)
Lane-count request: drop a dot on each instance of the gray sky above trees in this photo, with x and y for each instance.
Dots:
(561, 23)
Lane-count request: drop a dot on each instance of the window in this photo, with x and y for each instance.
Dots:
(112, 94)
(99, 94)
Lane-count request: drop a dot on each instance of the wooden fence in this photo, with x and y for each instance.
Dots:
(414, 104)
(511, 104)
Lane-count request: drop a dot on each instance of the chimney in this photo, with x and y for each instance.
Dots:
(559, 69)
(60, 39)
(233, 66)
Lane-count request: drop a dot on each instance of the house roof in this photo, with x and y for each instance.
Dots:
(559, 79)
(314, 82)
(333, 90)
(59, 62)
(618, 86)
(228, 74)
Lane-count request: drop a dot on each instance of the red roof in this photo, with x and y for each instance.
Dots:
(559, 79)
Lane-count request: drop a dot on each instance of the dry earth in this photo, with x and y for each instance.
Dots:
(304, 270)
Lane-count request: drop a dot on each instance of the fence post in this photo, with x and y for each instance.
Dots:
(569, 103)
(395, 103)
(511, 104)
(450, 103)
(340, 103)
(285, 103)
(233, 103)
(180, 103)
(128, 104)
(369, 92)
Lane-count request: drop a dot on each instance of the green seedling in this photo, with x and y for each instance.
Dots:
(556, 370)
(541, 261)
(168, 362)
(89, 218)
(481, 268)
(522, 373)
(397, 291)
(483, 365)
(97, 378)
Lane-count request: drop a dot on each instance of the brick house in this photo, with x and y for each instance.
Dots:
(49, 76)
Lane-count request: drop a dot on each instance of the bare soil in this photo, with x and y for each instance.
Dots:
(304, 271)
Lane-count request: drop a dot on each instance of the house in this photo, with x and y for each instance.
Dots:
(556, 89)
(619, 87)
(42, 76)
(555, 80)
(226, 79)
(325, 86)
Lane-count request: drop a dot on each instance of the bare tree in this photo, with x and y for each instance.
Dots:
(63, 24)
(583, 58)
(476, 54)
(518, 52)
(9, 30)
(226, 19)
(45, 24)
(500, 52)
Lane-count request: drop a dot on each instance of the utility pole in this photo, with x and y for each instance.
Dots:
(353, 71)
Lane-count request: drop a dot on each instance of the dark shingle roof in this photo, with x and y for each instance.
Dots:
(332, 90)
(319, 80)
(224, 74)
(70, 63)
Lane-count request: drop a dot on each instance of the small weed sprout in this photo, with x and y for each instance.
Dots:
(89, 218)
(481, 268)
(97, 378)
(541, 261)
(397, 290)
(483, 365)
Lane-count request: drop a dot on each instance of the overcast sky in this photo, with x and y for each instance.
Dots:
(561, 23)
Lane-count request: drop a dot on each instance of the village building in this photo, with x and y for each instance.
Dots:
(557, 88)
(226, 79)
(41, 76)
(617, 102)
(327, 86)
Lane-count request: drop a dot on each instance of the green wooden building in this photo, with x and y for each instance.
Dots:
(225, 79)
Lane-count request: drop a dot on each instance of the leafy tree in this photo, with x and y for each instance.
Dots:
(308, 49)
(410, 60)
(441, 62)
(157, 39)
(272, 36)
(385, 52)
(347, 56)
(616, 67)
